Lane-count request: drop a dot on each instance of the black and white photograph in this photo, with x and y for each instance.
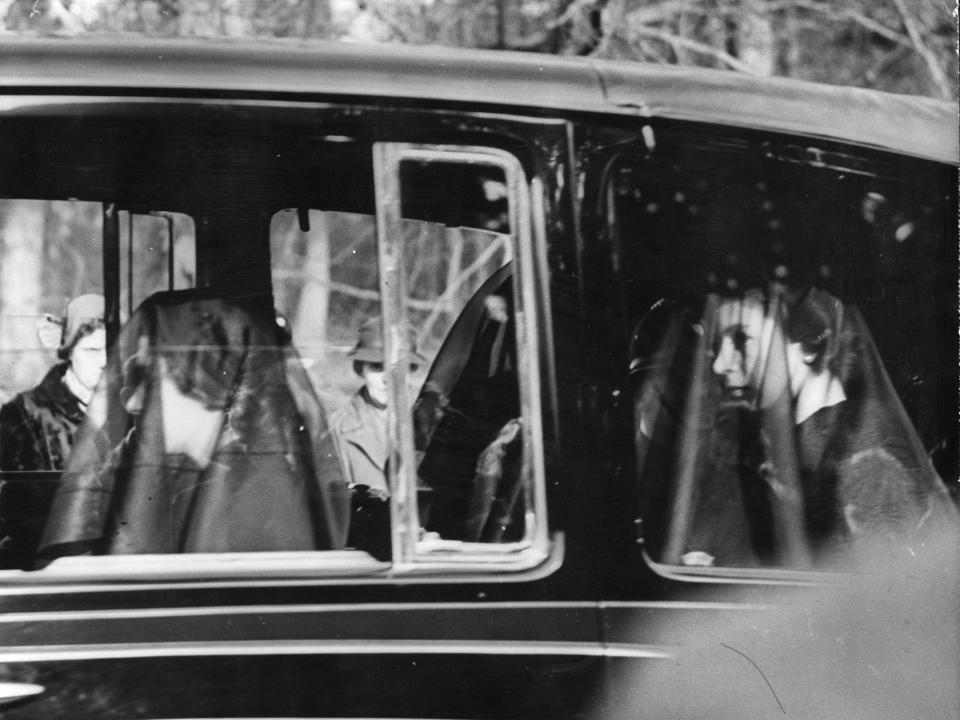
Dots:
(479, 360)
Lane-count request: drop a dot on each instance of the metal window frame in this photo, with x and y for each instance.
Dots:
(409, 553)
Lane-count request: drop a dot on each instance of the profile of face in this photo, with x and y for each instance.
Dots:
(750, 352)
(89, 357)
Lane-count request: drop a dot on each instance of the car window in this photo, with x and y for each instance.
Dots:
(54, 340)
(157, 252)
(324, 266)
(784, 414)
(377, 396)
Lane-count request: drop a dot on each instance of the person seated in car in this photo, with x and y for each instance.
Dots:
(217, 460)
(359, 431)
(805, 366)
(38, 426)
(360, 427)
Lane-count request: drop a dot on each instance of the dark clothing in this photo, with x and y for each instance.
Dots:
(271, 483)
(475, 379)
(37, 427)
(241, 501)
(37, 430)
(858, 465)
(749, 485)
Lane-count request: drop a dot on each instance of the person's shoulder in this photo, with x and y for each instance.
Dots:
(46, 393)
(17, 405)
(348, 416)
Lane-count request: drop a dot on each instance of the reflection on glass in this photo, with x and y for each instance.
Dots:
(468, 424)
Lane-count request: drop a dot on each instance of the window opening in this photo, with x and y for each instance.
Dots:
(228, 410)
(52, 353)
(158, 252)
(783, 418)
(476, 427)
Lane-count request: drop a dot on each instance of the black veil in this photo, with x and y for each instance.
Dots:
(767, 424)
(228, 451)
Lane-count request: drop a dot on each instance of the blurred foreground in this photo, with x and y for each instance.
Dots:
(882, 645)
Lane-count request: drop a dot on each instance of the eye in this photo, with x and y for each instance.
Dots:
(376, 367)
(740, 340)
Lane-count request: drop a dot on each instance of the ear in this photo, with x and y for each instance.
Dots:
(50, 331)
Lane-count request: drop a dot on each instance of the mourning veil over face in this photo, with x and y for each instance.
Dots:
(208, 449)
(786, 443)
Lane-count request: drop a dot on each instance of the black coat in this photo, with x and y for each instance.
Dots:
(37, 426)
(37, 431)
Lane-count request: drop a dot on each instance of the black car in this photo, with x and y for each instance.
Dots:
(668, 423)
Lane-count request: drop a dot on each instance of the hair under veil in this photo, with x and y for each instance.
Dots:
(216, 376)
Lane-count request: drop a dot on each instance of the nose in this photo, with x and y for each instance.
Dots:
(728, 360)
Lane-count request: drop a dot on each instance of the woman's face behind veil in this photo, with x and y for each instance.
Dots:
(749, 351)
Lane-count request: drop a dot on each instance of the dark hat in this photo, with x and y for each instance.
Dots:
(369, 346)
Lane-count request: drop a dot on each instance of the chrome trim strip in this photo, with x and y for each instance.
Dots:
(423, 572)
(680, 605)
(14, 102)
(14, 691)
(106, 651)
(746, 576)
(435, 608)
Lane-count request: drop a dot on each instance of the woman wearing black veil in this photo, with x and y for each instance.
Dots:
(218, 459)
(788, 445)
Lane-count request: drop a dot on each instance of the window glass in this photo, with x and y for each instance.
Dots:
(325, 285)
(784, 413)
(227, 423)
(52, 352)
(326, 288)
(56, 386)
(157, 252)
(476, 428)
(51, 253)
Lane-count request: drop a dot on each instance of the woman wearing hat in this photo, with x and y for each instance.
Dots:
(38, 426)
(360, 428)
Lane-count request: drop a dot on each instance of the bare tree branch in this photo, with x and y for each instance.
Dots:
(69, 21)
(664, 12)
(834, 13)
(693, 45)
(871, 75)
(377, 12)
(570, 14)
(936, 72)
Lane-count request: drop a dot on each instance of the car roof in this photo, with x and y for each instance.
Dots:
(909, 125)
